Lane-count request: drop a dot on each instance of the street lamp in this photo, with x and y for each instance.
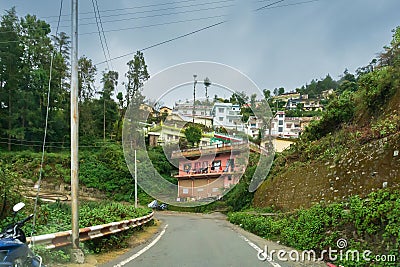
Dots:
(194, 94)
(207, 83)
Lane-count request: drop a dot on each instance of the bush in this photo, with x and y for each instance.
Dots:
(371, 223)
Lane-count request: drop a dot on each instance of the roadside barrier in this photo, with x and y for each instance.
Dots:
(61, 239)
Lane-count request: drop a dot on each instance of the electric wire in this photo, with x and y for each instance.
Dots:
(143, 17)
(45, 132)
(157, 24)
(100, 37)
(104, 36)
(152, 10)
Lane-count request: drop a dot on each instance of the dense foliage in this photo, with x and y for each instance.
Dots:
(362, 100)
(366, 224)
(27, 50)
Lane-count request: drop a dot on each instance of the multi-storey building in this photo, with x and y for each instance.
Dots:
(227, 115)
(288, 127)
(207, 172)
(202, 113)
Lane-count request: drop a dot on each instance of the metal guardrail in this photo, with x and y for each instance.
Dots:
(61, 239)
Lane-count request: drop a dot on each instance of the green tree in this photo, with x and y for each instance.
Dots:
(137, 74)
(110, 114)
(267, 94)
(86, 78)
(10, 64)
(193, 134)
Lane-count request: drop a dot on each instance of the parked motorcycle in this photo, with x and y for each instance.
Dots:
(14, 252)
(154, 205)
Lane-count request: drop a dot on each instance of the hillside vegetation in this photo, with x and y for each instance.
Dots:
(351, 150)
(341, 179)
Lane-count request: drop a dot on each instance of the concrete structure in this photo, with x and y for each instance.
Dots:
(171, 130)
(227, 115)
(207, 172)
(287, 127)
(165, 110)
(253, 126)
(202, 112)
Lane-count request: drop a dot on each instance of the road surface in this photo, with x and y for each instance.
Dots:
(197, 240)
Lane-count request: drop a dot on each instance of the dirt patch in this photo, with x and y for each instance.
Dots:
(359, 170)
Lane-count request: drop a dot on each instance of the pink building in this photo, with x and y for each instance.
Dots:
(208, 172)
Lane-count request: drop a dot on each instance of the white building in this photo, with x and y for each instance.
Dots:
(228, 116)
(288, 127)
(253, 126)
(202, 113)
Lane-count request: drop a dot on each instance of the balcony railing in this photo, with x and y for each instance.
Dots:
(209, 172)
(204, 150)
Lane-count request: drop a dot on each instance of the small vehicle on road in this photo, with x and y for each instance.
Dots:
(154, 205)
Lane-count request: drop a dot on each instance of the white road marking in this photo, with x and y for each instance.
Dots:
(143, 250)
(259, 250)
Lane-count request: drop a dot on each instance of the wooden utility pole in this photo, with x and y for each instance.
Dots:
(76, 253)
(136, 202)
(194, 95)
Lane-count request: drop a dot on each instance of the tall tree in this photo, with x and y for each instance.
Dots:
(137, 74)
(86, 78)
(110, 82)
(10, 54)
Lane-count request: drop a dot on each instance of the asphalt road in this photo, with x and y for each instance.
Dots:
(201, 240)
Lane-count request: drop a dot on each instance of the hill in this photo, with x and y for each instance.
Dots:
(352, 150)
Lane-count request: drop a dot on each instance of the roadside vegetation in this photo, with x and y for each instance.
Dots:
(363, 110)
(56, 217)
(366, 224)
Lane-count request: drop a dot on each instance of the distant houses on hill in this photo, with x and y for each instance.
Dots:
(215, 116)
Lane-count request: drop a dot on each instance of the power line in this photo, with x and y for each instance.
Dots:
(157, 24)
(153, 5)
(261, 8)
(293, 4)
(104, 36)
(167, 41)
(46, 126)
(148, 16)
(159, 15)
(98, 31)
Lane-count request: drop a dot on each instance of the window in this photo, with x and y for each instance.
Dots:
(185, 190)
(253, 125)
(216, 165)
(221, 110)
(288, 125)
(280, 122)
(280, 115)
(197, 167)
(230, 165)
(280, 129)
(230, 120)
(202, 113)
(221, 118)
(187, 167)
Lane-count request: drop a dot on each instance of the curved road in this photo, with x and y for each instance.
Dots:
(201, 240)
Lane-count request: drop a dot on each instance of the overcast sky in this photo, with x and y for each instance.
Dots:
(286, 44)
